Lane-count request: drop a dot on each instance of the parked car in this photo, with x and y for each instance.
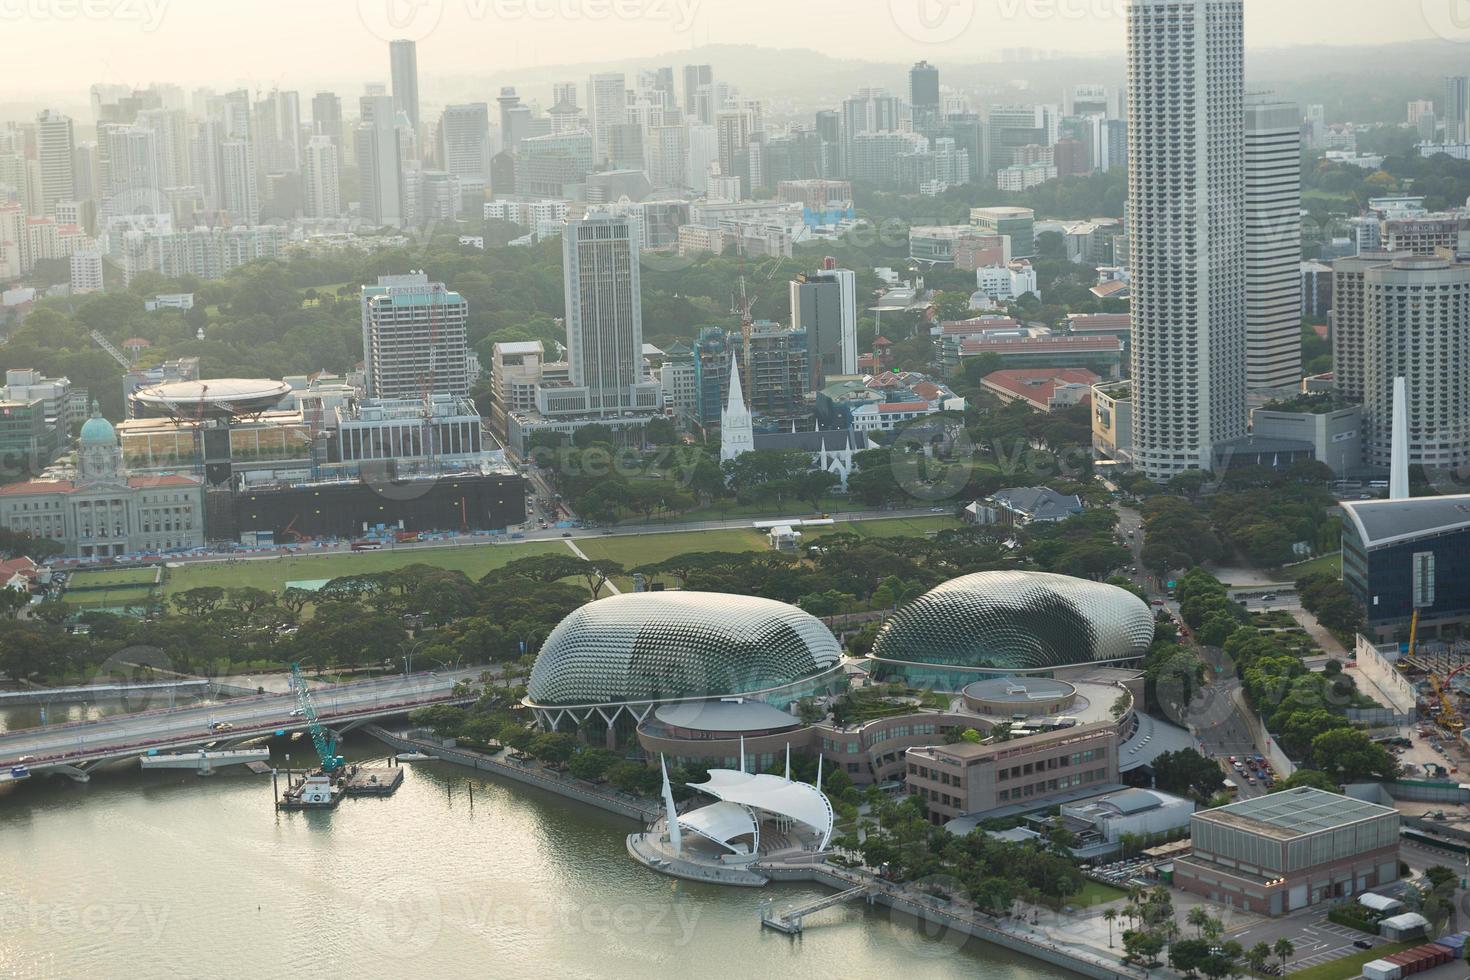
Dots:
(1363, 943)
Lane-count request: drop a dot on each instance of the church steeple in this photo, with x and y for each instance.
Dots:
(737, 434)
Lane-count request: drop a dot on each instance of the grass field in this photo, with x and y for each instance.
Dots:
(1327, 563)
(273, 574)
(647, 549)
(1096, 893)
(111, 577)
(1351, 966)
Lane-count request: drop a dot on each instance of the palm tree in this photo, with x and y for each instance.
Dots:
(1110, 915)
(1257, 957)
(1283, 950)
(1199, 917)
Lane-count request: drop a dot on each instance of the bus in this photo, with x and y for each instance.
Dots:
(1231, 788)
(367, 546)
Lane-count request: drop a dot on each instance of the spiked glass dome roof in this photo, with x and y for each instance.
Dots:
(1017, 621)
(663, 646)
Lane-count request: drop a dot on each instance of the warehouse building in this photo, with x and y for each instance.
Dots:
(1281, 852)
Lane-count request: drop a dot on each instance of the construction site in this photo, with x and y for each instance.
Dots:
(325, 786)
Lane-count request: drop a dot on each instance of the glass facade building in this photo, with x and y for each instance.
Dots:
(654, 647)
(1010, 622)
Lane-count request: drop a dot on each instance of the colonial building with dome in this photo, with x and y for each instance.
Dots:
(102, 512)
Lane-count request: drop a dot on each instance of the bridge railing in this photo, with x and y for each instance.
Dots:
(258, 729)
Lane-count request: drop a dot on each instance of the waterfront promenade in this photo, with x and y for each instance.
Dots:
(1056, 944)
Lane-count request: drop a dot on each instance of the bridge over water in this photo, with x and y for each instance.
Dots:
(74, 749)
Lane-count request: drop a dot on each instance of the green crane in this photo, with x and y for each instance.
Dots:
(324, 740)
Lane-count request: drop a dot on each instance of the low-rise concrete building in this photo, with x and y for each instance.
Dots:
(1285, 851)
(967, 778)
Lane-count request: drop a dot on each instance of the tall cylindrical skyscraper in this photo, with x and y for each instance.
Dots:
(1187, 204)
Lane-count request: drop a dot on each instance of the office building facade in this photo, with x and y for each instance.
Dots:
(1187, 230)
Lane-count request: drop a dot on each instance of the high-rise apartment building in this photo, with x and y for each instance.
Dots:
(604, 309)
(326, 117)
(1456, 109)
(464, 140)
(924, 96)
(321, 179)
(698, 81)
(1273, 243)
(1186, 183)
(1349, 319)
(404, 58)
(239, 193)
(55, 144)
(1417, 327)
(607, 106)
(824, 304)
(379, 165)
(413, 338)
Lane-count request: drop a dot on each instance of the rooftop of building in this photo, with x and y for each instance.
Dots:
(1039, 385)
(1017, 691)
(1380, 523)
(1039, 503)
(1103, 344)
(1295, 813)
(731, 715)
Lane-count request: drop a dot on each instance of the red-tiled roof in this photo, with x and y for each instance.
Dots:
(37, 486)
(1087, 322)
(904, 407)
(1037, 387)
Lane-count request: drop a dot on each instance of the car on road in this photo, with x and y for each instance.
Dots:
(1159, 602)
(566, 534)
(19, 772)
(221, 726)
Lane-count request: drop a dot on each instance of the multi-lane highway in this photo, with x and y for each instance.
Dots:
(119, 736)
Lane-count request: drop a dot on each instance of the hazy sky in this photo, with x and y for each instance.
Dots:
(64, 45)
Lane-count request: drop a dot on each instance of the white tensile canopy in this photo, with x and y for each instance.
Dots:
(721, 823)
(799, 802)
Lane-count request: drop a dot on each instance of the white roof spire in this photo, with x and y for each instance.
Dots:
(736, 402)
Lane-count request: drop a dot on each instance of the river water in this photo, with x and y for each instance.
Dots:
(170, 874)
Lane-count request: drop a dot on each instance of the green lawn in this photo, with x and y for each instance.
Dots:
(110, 577)
(1096, 893)
(1351, 966)
(123, 595)
(273, 574)
(645, 549)
(1327, 563)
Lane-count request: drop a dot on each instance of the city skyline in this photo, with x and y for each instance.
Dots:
(528, 34)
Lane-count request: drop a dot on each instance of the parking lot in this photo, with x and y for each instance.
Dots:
(1317, 941)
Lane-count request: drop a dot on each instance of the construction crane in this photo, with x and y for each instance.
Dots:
(324, 740)
(1448, 717)
(117, 355)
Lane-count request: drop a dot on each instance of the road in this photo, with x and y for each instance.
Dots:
(119, 735)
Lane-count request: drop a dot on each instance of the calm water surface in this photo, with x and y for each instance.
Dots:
(169, 874)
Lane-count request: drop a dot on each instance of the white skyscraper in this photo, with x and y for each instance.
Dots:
(1186, 180)
(404, 56)
(413, 338)
(607, 106)
(320, 179)
(1416, 312)
(1273, 242)
(55, 143)
(604, 308)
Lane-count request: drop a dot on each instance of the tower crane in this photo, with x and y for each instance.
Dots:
(324, 741)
